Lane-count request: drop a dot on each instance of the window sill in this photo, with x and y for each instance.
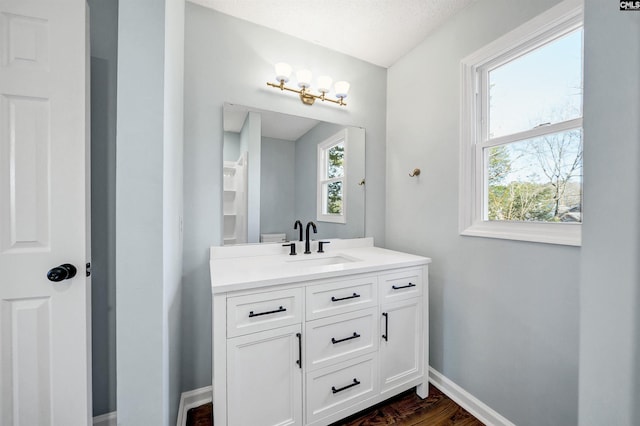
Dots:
(332, 219)
(568, 234)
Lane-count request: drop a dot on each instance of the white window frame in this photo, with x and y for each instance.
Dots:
(557, 21)
(323, 148)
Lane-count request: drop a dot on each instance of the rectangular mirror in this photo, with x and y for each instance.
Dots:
(279, 168)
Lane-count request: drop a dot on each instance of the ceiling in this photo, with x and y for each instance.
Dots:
(273, 124)
(376, 31)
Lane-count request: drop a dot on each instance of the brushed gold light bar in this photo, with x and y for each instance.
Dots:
(306, 97)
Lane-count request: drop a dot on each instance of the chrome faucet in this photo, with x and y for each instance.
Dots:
(307, 245)
(295, 226)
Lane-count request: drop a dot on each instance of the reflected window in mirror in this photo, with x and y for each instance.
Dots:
(331, 183)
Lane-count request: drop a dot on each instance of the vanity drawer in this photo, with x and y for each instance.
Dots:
(263, 311)
(401, 285)
(335, 388)
(338, 297)
(341, 337)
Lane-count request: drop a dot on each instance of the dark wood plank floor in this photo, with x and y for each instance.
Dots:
(406, 409)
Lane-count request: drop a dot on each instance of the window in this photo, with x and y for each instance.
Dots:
(521, 132)
(332, 187)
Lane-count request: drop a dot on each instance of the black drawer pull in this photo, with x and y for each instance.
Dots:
(385, 336)
(280, 309)
(299, 361)
(355, 383)
(398, 287)
(336, 299)
(355, 336)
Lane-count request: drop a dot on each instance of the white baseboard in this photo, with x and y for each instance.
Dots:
(473, 405)
(192, 399)
(108, 419)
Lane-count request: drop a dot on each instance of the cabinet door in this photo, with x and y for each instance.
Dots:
(400, 344)
(264, 378)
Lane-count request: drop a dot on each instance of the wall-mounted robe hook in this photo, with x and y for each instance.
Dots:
(361, 182)
(414, 173)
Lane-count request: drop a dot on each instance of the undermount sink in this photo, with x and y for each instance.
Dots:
(323, 260)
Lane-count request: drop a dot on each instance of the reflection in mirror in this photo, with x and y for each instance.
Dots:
(279, 168)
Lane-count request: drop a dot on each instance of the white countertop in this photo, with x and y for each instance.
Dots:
(248, 267)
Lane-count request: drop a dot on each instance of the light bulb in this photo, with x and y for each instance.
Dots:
(324, 83)
(283, 71)
(304, 78)
(342, 88)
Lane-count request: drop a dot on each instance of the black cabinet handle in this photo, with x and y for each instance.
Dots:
(299, 361)
(336, 299)
(355, 336)
(396, 287)
(385, 336)
(355, 383)
(280, 309)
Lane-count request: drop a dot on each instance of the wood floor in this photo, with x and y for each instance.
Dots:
(406, 409)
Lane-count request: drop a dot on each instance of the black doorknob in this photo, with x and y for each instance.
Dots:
(62, 272)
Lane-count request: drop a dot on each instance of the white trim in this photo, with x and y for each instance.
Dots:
(563, 126)
(570, 11)
(192, 399)
(108, 419)
(473, 405)
(569, 234)
(560, 19)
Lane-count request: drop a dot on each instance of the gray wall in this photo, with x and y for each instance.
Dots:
(173, 202)
(149, 210)
(104, 43)
(250, 142)
(277, 187)
(231, 146)
(609, 292)
(504, 315)
(233, 65)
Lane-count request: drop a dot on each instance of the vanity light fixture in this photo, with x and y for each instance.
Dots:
(283, 72)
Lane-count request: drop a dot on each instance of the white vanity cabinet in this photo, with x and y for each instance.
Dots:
(310, 346)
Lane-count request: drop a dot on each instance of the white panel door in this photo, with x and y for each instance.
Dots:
(264, 378)
(400, 343)
(44, 325)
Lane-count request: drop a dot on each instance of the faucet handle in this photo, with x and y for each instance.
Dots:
(321, 244)
(293, 248)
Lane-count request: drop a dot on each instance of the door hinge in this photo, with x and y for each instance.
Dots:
(88, 269)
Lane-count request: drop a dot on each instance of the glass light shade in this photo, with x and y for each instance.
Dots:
(304, 78)
(342, 88)
(324, 83)
(283, 71)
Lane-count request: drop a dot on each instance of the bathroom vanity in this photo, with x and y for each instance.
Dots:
(310, 339)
